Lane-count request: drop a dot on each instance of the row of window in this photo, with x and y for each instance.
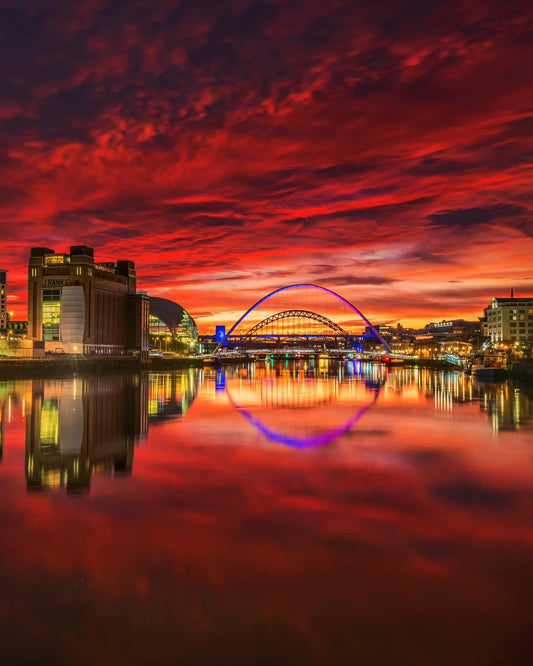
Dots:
(51, 314)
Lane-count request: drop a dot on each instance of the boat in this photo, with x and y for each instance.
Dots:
(485, 372)
(491, 367)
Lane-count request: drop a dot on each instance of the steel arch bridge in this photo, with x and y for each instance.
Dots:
(298, 314)
(304, 313)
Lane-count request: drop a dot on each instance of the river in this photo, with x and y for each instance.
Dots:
(300, 512)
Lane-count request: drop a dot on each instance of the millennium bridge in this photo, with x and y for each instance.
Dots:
(297, 329)
(300, 330)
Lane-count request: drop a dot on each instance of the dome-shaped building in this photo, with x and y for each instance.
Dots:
(171, 326)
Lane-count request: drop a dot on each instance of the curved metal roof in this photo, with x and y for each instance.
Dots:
(171, 314)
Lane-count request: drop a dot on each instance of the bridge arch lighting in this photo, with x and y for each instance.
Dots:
(300, 286)
(303, 442)
(305, 314)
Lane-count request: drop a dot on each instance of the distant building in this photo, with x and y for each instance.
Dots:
(4, 316)
(78, 306)
(510, 319)
(454, 327)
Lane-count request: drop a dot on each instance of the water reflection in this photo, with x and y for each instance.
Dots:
(171, 393)
(77, 427)
(82, 426)
(507, 407)
(405, 539)
(300, 404)
(90, 425)
(2, 419)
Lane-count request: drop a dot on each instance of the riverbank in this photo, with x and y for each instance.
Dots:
(65, 366)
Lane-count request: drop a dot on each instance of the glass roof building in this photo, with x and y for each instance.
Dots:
(170, 323)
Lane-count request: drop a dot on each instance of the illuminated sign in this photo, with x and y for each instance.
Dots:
(220, 333)
(53, 259)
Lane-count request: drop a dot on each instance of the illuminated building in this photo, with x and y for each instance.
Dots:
(171, 327)
(454, 327)
(4, 317)
(510, 319)
(78, 306)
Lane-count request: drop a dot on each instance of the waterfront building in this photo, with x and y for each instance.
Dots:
(171, 327)
(79, 306)
(4, 316)
(454, 327)
(510, 319)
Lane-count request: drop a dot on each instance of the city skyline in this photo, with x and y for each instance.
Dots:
(230, 148)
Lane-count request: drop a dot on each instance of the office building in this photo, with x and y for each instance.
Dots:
(79, 306)
(510, 319)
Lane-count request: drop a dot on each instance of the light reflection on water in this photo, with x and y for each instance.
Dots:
(271, 513)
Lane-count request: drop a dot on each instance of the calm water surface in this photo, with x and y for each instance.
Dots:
(269, 514)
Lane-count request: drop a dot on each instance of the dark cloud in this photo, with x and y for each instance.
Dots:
(472, 217)
(441, 165)
(355, 280)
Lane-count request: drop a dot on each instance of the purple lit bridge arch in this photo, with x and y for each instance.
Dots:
(304, 442)
(302, 286)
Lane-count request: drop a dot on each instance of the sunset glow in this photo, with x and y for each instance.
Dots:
(382, 150)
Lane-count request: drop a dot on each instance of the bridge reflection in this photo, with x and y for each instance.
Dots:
(304, 405)
(76, 428)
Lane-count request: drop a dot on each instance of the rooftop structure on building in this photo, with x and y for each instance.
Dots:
(79, 306)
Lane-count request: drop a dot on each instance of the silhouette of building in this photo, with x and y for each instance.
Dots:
(78, 306)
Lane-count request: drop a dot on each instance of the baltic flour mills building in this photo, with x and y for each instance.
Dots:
(78, 306)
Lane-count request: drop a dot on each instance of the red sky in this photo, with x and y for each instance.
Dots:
(382, 149)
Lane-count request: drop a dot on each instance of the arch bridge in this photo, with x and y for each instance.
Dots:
(274, 323)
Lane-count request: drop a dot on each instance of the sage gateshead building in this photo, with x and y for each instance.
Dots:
(78, 306)
(171, 327)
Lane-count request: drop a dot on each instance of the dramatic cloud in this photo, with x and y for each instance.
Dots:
(255, 141)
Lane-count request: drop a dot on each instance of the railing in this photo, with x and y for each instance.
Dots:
(453, 359)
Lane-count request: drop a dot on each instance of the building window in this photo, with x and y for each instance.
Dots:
(51, 314)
